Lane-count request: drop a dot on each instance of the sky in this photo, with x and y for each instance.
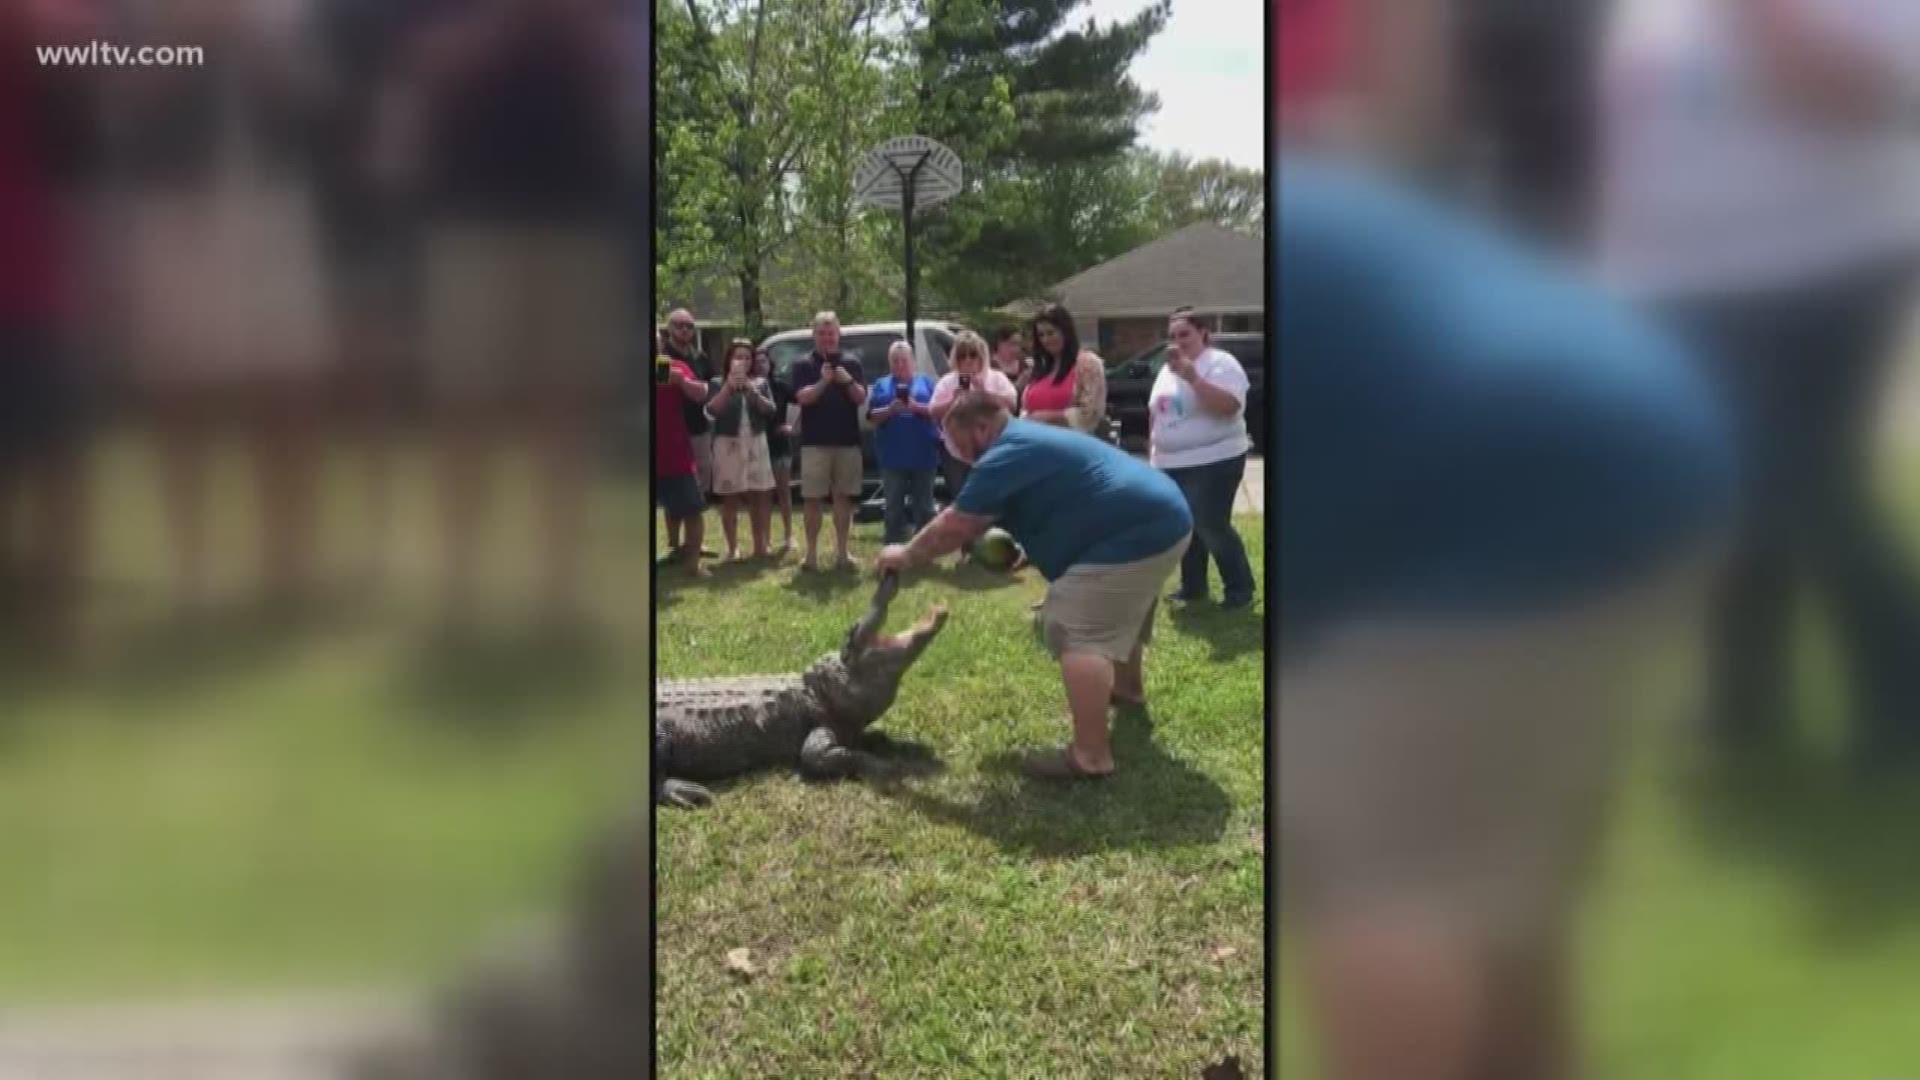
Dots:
(1207, 65)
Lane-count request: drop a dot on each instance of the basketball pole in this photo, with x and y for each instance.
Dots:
(909, 178)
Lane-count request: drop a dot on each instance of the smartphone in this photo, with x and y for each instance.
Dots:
(662, 370)
(902, 392)
(966, 382)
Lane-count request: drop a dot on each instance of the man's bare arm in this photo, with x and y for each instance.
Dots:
(948, 532)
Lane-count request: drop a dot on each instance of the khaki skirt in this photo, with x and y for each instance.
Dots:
(741, 464)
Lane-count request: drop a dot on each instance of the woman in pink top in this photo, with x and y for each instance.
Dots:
(1067, 386)
(970, 368)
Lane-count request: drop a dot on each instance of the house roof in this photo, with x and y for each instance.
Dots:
(1208, 266)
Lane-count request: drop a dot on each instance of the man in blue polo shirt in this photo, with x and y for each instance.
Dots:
(1499, 492)
(1104, 529)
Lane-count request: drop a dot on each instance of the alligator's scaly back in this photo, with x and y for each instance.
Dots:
(674, 693)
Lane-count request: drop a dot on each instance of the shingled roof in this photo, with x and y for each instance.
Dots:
(1211, 267)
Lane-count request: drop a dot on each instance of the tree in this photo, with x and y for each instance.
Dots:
(1186, 191)
(753, 95)
(1049, 193)
(837, 254)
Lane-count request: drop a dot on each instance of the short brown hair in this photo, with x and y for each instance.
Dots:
(976, 407)
(1186, 312)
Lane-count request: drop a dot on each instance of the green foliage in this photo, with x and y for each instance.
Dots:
(766, 107)
(1186, 191)
(1049, 194)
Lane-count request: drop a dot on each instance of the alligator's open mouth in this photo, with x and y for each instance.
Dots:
(925, 628)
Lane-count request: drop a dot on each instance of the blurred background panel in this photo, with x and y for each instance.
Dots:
(1738, 180)
(323, 574)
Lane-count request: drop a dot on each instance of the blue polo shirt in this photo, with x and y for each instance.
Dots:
(1465, 428)
(904, 442)
(1070, 499)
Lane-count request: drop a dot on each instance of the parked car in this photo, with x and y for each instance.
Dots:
(1129, 383)
(867, 343)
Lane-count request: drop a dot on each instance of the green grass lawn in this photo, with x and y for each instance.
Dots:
(967, 923)
(243, 808)
(250, 808)
(1758, 923)
(1754, 920)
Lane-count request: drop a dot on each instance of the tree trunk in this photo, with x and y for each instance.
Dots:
(750, 297)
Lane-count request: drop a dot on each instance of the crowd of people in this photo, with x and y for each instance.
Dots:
(343, 209)
(1540, 424)
(726, 434)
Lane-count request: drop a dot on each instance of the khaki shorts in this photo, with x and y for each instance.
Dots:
(512, 308)
(1107, 610)
(1462, 769)
(829, 470)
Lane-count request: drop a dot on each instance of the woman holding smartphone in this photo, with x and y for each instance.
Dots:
(906, 442)
(743, 409)
(970, 372)
(779, 445)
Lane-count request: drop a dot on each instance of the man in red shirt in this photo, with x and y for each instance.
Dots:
(40, 448)
(676, 484)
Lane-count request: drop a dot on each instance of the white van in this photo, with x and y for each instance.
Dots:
(870, 342)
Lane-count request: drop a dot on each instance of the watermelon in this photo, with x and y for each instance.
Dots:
(996, 550)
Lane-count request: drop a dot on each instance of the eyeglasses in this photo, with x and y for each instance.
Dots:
(681, 325)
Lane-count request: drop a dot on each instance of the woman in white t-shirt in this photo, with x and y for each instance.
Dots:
(1761, 190)
(970, 372)
(1198, 436)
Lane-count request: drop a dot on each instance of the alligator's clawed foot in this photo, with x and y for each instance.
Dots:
(684, 794)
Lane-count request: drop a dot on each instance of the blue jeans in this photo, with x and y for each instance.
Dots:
(900, 486)
(1210, 490)
(1803, 373)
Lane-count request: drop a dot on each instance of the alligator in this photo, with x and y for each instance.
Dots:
(815, 720)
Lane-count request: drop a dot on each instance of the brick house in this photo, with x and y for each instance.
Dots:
(1120, 306)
